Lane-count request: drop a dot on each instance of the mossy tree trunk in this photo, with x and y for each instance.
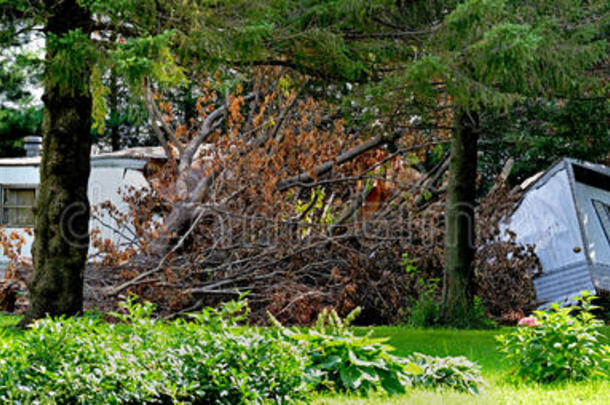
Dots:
(459, 279)
(62, 208)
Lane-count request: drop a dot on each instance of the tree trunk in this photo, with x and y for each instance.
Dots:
(459, 280)
(62, 208)
(115, 136)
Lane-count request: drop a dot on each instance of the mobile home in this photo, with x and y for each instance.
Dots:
(565, 213)
(110, 173)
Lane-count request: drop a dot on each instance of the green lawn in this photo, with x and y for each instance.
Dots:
(8, 325)
(478, 346)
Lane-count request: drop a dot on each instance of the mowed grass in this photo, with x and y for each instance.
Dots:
(8, 325)
(478, 346)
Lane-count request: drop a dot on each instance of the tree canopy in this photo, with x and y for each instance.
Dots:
(421, 66)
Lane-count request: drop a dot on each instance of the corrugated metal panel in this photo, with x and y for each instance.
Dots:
(108, 184)
(123, 163)
(19, 174)
(564, 283)
(135, 178)
(104, 185)
(140, 152)
(23, 161)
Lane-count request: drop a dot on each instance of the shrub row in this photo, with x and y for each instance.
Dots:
(207, 359)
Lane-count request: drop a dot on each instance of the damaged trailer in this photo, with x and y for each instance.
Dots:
(565, 214)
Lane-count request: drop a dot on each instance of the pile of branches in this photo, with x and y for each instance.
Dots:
(504, 269)
(13, 285)
(271, 193)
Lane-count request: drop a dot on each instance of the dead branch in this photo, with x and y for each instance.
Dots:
(327, 166)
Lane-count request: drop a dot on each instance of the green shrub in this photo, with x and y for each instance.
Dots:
(427, 309)
(207, 360)
(426, 312)
(556, 345)
(238, 365)
(456, 373)
(342, 361)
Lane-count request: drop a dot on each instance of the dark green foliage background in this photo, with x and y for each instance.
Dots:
(14, 125)
(537, 133)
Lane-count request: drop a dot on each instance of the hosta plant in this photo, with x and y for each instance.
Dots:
(562, 343)
(456, 373)
(341, 361)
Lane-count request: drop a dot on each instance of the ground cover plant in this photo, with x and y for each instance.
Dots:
(341, 361)
(457, 373)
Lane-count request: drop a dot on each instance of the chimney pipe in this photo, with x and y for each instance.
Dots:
(32, 146)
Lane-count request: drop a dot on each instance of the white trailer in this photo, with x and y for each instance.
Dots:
(110, 173)
(565, 213)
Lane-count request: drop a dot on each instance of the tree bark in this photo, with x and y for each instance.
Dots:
(115, 135)
(459, 280)
(62, 208)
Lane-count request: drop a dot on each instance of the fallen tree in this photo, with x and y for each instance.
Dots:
(266, 194)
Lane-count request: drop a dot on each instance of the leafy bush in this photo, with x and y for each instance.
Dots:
(208, 359)
(342, 361)
(457, 373)
(425, 311)
(141, 360)
(556, 345)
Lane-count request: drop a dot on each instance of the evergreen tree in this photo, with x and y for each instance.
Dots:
(73, 103)
(537, 133)
(20, 111)
(491, 54)
(480, 53)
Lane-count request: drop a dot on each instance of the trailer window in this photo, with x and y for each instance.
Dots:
(591, 177)
(17, 206)
(603, 212)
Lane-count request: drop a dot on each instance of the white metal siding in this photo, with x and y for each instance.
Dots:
(547, 218)
(19, 175)
(104, 185)
(563, 284)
